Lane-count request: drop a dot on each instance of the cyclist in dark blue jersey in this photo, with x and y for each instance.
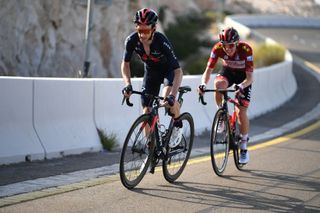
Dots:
(161, 66)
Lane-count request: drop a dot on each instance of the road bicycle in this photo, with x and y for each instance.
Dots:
(147, 142)
(225, 133)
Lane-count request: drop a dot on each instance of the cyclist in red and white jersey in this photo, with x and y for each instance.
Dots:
(237, 70)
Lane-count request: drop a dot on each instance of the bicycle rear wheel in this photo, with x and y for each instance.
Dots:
(177, 157)
(137, 152)
(220, 140)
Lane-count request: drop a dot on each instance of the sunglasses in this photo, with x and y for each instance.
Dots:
(229, 45)
(144, 31)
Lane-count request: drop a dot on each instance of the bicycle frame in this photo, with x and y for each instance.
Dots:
(232, 125)
(155, 117)
(233, 116)
(155, 126)
(225, 100)
(147, 143)
(155, 122)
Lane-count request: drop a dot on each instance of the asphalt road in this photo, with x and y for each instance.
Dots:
(282, 176)
(303, 101)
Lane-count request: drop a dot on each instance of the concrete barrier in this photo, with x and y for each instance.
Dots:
(202, 114)
(18, 139)
(110, 115)
(243, 30)
(274, 85)
(47, 118)
(63, 116)
(58, 117)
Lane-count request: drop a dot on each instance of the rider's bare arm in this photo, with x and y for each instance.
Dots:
(249, 79)
(126, 73)
(206, 76)
(177, 81)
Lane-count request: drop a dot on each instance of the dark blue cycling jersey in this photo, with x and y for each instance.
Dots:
(161, 52)
(159, 64)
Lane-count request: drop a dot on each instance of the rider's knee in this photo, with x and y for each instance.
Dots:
(146, 110)
(221, 82)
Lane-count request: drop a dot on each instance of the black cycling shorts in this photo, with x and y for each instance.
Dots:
(152, 80)
(236, 77)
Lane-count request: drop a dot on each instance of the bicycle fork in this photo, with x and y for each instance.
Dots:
(234, 131)
(159, 151)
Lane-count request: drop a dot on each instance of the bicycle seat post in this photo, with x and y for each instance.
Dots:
(225, 100)
(182, 90)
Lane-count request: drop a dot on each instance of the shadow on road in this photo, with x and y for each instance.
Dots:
(264, 192)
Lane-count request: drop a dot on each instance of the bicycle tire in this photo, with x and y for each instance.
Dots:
(236, 146)
(136, 153)
(177, 157)
(220, 142)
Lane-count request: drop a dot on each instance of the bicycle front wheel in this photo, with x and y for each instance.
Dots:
(236, 146)
(220, 140)
(177, 157)
(137, 152)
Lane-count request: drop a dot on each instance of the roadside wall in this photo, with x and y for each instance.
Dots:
(52, 117)
(43, 118)
(18, 138)
(63, 116)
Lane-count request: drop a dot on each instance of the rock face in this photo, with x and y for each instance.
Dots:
(46, 38)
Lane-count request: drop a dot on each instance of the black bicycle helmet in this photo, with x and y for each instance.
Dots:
(229, 35)
(146, 16)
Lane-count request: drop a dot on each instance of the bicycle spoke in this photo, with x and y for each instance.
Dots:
(178, 156)
(138, 150)
(219, 147)
(135, 156)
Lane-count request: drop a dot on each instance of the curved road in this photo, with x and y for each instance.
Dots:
(282, 176)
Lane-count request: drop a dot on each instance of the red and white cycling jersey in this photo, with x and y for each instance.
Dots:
(241, 61)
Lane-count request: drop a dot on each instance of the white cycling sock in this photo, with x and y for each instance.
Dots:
(244, 141)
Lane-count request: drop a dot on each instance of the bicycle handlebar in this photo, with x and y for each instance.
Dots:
(140, 93)
(182, 90)
(201, 99)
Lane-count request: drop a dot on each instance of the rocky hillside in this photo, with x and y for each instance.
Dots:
(46, 38)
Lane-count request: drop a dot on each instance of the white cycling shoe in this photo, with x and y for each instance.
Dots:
(220, 127)
(176, 137)
(244, 157)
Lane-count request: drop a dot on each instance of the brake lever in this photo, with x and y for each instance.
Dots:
(201, 99)
(127, 101)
